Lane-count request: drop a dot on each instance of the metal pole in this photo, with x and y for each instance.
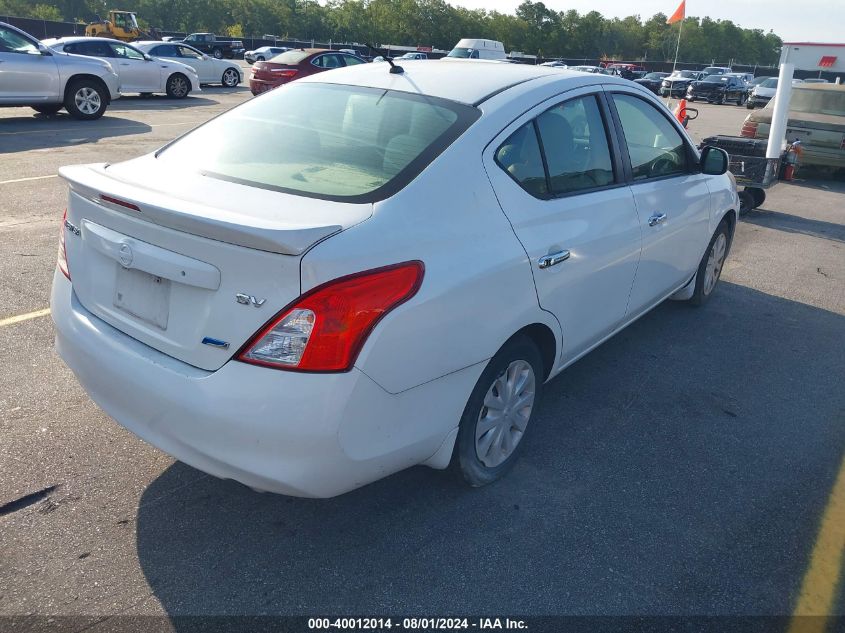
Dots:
(678, 47)
(780, 115)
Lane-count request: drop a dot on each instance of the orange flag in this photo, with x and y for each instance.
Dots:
(679, 14)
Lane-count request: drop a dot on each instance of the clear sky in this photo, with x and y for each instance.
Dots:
(793, 20)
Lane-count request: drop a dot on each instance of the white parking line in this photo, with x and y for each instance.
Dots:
(7, 182)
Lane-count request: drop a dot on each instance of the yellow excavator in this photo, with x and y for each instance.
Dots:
(120, 25)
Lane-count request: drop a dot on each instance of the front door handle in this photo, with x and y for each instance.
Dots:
(552, 259)
(656, 219)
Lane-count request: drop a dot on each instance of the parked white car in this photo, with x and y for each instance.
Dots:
(210, 70)
(264, 53)
(369, 270)
(33, 75)
(138, 72)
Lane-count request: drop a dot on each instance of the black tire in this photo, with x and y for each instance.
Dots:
(86, 99)
(260, 58)
(720, 100)
(758, 194)
(749, 105)
(519, 352)
(703, 292)
(231, 78)
(217, 53)
(49, 110)
(178, 86)
(741, 101)
(746, 202)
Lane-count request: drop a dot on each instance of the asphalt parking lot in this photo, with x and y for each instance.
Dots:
(685, 467)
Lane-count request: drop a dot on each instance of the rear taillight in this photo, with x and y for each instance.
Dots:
(284, 73)
(325, 329)
(749, 129)
(62, 258)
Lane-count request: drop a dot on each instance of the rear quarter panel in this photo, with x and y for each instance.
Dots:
(477, 290)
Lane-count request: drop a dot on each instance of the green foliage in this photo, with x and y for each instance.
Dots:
(533, 29)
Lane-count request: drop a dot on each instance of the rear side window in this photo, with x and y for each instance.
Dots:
(570, 154)
(655, 147)
(575, 145)
(93, 49)
(520, 157)
(327, 141)
(165, 50)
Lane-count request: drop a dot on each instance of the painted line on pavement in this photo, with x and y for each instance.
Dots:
(8, 182)
(819, 588)
(24, 317)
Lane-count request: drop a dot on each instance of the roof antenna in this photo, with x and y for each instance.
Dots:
(394, 69)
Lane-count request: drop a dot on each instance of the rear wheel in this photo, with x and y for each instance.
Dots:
(48, 109)
(498, 412)
(746, 201)
(85, 99)
(230, 78)
(710, 268)
(741, 101)
(759, 195)
(217, 53)
(177, 86)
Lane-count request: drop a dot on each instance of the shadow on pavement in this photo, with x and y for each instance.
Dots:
(160, 102)
(795, 224)
(680, 468)
(21, 134)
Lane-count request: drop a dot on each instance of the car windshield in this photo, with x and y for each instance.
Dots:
(818, 101)
(771, 82)
(655, 76)
(328, 141)
(716, 79)
(290, 57)
(685, 74)
(463, 53)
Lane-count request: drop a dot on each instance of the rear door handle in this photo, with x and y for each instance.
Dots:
(656, 219)
(552, 259)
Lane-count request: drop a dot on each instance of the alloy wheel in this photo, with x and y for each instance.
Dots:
(87, 100)
(230, 78)
(178, 87)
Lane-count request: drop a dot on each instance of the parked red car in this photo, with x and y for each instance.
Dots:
(295, 64)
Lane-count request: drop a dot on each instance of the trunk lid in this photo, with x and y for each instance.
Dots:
(189, 278)
(825, 131)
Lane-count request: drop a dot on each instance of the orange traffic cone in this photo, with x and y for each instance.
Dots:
(681, 112)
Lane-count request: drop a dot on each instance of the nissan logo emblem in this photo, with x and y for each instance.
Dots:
(125, 255)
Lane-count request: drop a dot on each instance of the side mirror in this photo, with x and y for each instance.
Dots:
(44, 50)
(714, 161)
(205, 58)
(148, 58)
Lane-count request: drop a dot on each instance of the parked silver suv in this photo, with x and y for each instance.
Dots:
(33, 75)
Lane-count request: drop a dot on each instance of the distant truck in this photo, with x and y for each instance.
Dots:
(210, 45)
(469, 48)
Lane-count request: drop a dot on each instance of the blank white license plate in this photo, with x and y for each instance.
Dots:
(142, 295)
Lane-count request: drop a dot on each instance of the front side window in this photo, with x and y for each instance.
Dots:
(328, 61)
(11, 42)
(189, 53)
(352, 61)
(575, 145)
(655, 147)
(521, 159)
(327, 141)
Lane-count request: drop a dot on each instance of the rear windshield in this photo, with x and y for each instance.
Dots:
(818, 101)
(290, 57)
(324, 141)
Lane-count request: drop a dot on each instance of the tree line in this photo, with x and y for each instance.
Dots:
(533, 29)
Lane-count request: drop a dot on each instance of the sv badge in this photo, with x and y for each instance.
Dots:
(249, 300)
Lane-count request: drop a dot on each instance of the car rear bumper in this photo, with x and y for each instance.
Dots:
(257, 86)
(313, 435)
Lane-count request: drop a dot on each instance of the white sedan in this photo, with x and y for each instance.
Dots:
(209, 69)
(373, 269)
(138, 72)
